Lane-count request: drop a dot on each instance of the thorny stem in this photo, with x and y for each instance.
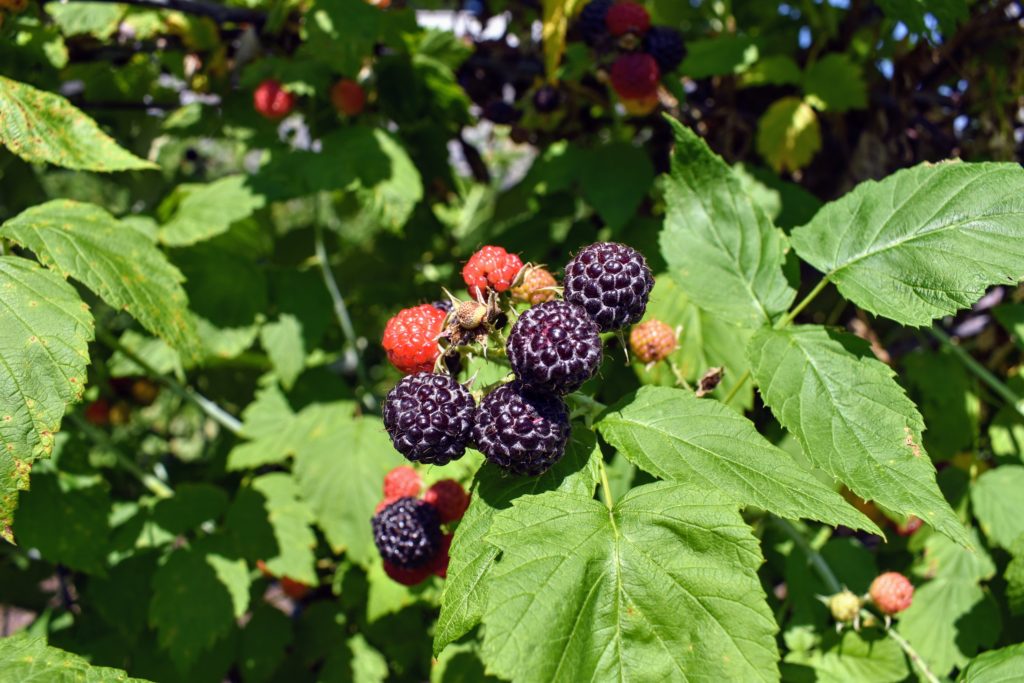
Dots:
(789, 317)
(341, 311)
(218, 414)
(832, 583)
(1011, 397)
(606, 490)
(155, 486)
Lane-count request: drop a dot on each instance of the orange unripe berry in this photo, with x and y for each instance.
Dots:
(348, 97)
(891, 592)
(537, 286)
(652, 341)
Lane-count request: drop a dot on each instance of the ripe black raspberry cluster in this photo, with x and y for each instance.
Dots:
(640, 53)
(429, 418)
(407, 533)
(611, 282)
(554, 347)
(522, 431)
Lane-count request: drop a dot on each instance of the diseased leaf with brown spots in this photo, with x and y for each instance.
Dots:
(42, 126)
(121, 265)
(45, 330)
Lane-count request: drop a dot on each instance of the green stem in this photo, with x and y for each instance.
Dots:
(218, 414)
(606, 490)
(788, 318)
(1011, 397)
(341, 311)
(155, 486)
(813, 556)
(912, 654)
(736, 387)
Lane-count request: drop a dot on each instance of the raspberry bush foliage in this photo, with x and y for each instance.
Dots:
(348, 340)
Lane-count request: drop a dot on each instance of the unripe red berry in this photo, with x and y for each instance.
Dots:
(401, 482)
(652, 341)
(408, 577)
(98, 412)
(449, 499)
(410, 338)
(490, 268)
(440, 565)
(271, 100)
(348, 97)
(627, 17)
(635, 76)
(295, 590)
(891, 592)
(910, 526)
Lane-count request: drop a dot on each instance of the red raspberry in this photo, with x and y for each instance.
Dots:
(271, 100)
(348, 97)
(627, 17)
(635, 76)
(910, 526)
(294, 589)
(652, 341)
(408, 577)
(401, 482)
(383, 504)
(449, 499)
(410, 338)
(98, 412)
(490, 267)
(440, 565)
(891, 592)
(536, 287)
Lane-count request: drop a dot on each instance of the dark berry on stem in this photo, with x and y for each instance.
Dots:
(521, 431)
(611, 282)
(554, 347)
(546, 99)
(666, 46)
(592, 20)
(407, 533)
(429, 418)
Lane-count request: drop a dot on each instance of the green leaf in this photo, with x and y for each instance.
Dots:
(852, 657)
(65, 521)
(390, 202)
(205, 211)
(191, 505)
(724, 54)
(41, 126)
(788, 134)
(615, 196)
(283, 342)
(998, 503)
(264, 641)
(269, 522)
(773, 70)
(852, 419)
(1011, 317)
(1014, 576)
(340, 462)
(1005, 664)
(942, 558)
(97, 19)
(196, 595)
(472, 560)
(939, 384)
(705, 342)
(45, 330)
(719, 244)
(674, 435)
(924, 242)
(950, 621)
(119, 264)
(28, 658)
(664, 587)
(835, 83)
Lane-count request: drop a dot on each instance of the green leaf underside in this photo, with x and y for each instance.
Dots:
(923, 243)
(465, 590)
(208, 210)
(852, 419)
(45, 330)
(664, 587)
(676, 436)
(119, 264)
(40, 126)
(719, 244)
(27, 658)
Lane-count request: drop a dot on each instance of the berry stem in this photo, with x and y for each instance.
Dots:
(813, 556)
(788, 318)
(994, 383)
(341, 311)
(740, 381)
(218, 414)
(153, 484)
(606, 490)
(912, 654)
